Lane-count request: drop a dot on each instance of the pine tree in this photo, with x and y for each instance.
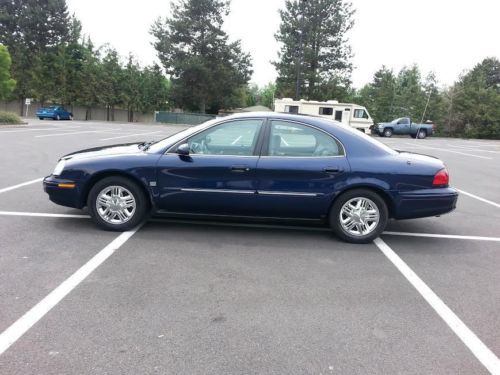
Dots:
(206, 70)
(314, 48)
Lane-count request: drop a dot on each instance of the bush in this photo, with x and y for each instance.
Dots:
(9, 118)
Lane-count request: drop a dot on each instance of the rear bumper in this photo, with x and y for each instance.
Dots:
(63, 192)
(426, 202)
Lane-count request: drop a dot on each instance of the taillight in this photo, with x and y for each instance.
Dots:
(441, 178)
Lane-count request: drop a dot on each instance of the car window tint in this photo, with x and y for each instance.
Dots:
(229, 138)
(290, 139)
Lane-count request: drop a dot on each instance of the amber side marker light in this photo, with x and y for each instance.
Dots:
(66, 186)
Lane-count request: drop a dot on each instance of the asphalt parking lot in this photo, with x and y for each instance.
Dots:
(185, 297)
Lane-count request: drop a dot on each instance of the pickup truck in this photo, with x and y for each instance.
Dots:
(403, 125)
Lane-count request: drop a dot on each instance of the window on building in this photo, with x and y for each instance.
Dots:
(338, 115)
(292, 108)
(325, 111)
(360, 113)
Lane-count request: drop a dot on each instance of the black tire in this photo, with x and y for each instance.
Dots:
(421, 134)
(388, 133)
(334, 217)
(41, 118)
(58, 118)
(413, 136)
(141, 200)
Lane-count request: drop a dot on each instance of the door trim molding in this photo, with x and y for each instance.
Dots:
(218, 191)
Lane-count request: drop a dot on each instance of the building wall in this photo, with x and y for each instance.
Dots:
(97, 114)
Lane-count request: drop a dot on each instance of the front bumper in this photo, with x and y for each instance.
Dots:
(63, 192)
(426, 202)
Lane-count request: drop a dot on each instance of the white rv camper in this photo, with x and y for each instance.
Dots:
(347, 113)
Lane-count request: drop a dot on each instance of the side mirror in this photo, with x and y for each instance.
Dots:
(183, 149)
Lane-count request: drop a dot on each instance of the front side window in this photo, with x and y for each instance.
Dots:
(229, 138)
(360, 113)
(325, 111)
(291, 139)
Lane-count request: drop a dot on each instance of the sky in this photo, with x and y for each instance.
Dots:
(442, 36)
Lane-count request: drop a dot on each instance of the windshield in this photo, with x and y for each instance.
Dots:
(173, 139)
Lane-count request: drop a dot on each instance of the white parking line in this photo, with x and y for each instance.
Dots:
(251, 225)
(37, 312)
(474, 149)
(445, 150)
(130, 135)
(451, 236)
(479, 198)
(72, 133)
(39, 214)
(20, 185)
(36, 130)
(475, 345)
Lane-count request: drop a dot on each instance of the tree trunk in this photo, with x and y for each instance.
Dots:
(21, 107)
(202, 106)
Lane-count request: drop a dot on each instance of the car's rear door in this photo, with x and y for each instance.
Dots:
(300, 170)
(219, 174)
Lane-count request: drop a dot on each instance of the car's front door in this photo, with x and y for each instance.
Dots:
(299, 171)
(403, 126)
(219, 174)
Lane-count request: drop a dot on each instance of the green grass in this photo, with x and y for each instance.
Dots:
(9, 118)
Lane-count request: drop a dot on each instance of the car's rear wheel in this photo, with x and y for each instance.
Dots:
(41, 118)
(117, 203)
(388, 133)
(58, 117)
(359, 216)
(422, 134)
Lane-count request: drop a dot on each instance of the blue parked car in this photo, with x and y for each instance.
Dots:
(54, 112)
(256, 166)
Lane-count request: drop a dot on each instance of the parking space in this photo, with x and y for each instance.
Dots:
(198, 297)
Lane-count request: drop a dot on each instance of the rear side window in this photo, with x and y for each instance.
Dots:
(297, 140)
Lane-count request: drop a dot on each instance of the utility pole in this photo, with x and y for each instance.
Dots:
(299, 50)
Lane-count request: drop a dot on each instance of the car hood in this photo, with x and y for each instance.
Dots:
(97, 152)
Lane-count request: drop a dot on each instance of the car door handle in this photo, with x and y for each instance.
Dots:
(239, 168)
(333, 170)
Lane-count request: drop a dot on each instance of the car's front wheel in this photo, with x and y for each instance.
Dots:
(359, 216)
(117, 203)
(57, 117)
(388, 133)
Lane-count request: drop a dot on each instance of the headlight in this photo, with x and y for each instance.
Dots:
(59, 168)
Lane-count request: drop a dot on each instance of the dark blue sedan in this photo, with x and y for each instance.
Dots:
(54, 112)
(265, 166)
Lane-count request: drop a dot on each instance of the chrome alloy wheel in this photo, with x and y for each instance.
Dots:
(359, 216)
(115, 204)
